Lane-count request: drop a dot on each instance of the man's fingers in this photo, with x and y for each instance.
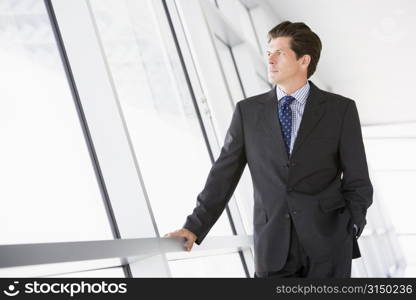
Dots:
(190, 238)
(173, 234)
(177, 234)
(188, 246)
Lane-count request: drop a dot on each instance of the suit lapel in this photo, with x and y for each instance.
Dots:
(268, 120)
(312, 114)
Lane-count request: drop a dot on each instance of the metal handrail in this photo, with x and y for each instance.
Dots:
(127, 250)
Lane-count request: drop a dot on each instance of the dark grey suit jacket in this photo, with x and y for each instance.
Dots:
(323, 186)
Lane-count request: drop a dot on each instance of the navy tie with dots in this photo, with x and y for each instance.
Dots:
(285, 118)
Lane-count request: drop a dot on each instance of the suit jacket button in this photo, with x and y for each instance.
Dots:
(287, 216)
(289, 189)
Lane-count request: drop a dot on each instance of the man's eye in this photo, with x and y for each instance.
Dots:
(269, 53)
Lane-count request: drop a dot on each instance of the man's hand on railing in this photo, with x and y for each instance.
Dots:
(189, 236)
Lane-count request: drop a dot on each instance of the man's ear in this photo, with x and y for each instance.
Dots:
(305, 60)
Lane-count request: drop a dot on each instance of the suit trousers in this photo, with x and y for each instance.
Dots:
(299, 264)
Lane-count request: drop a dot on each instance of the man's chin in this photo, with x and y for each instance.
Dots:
(273, 80)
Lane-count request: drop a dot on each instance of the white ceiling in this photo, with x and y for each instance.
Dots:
(369, 52)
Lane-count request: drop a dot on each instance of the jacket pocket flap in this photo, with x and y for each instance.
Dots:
(331, 203)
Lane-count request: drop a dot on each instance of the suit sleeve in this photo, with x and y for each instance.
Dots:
(221, 182)
(356, 184)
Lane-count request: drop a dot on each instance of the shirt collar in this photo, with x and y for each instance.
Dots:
(300, 95)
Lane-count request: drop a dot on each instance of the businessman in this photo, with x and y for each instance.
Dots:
(305, 152)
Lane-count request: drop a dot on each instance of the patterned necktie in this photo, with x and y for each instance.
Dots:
(285, 118)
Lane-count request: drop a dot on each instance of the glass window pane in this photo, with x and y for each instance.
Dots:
(102, 273)
(230, 71)
(100, 268)
(225, 265)
(239, 16)
(160, 116)
(49, 191)
(396, 190)
(393, 180)
(408, 246)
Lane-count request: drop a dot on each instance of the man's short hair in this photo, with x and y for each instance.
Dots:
(303, 41)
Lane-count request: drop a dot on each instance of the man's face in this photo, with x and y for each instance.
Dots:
(282, 64)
